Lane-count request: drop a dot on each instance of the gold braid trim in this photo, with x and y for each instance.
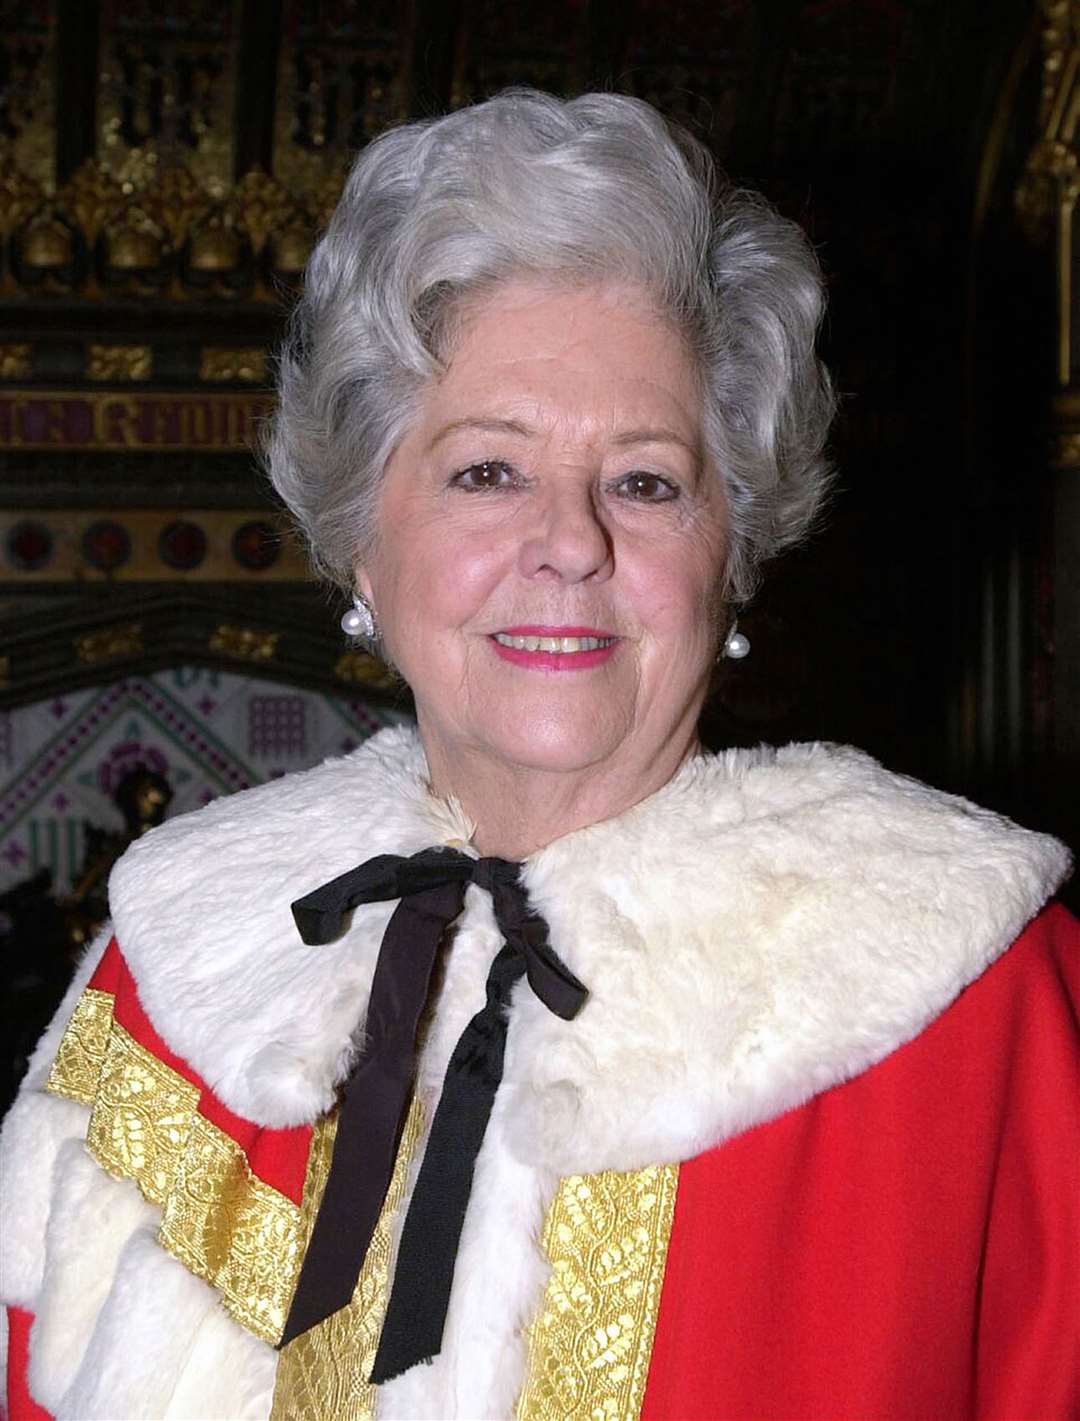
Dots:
(589, 1349)
(323, 1373)
(77, 1066)
(606, 1236)
(219, 1219)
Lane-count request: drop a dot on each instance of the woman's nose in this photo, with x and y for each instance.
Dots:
(567, 537)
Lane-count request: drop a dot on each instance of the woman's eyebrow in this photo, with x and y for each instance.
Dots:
(489, 425)
(655, 436)
(482, 425)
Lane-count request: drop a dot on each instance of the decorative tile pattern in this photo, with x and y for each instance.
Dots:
(207, 732)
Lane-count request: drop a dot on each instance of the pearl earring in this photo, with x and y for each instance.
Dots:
(359, 620)
(736, 646)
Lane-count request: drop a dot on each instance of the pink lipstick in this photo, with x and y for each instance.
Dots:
(546, 648)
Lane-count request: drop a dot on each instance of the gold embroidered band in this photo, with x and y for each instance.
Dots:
(323, 1373)
(606, 1236)
(589, 1349)
(219, 1219)
(77, 1067)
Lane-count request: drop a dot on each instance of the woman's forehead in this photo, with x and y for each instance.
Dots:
(532, 353)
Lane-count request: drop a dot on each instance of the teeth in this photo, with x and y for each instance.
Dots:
(562, 645)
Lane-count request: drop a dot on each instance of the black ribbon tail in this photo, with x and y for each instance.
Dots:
(373, 1109)
(431, 886)
(416, 1313)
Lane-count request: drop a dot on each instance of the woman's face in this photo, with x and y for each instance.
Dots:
(554, 486)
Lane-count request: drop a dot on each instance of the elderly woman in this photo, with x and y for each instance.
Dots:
(590, 1076)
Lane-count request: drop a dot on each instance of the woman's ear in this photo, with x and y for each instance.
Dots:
(361, 581)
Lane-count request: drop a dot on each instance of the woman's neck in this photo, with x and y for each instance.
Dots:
(517, 809)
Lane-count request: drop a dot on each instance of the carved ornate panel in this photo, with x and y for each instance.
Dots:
(28, 90)
(166, 90)
(340, 81)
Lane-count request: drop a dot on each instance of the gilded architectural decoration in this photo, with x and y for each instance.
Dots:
(166, 90)
(262, 206)
(358, 668)
(170, 237)
(28, 93)
(340, 82)
(20, 195)
(91, 197)
(192, 545)
(222, 363)
(119, 363)
(1046, 198)
(110, 645)
(15, 361)
(175, 201)
(245, 643)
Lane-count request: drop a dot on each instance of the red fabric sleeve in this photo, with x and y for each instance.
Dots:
(21, 1406)
(905, 1246)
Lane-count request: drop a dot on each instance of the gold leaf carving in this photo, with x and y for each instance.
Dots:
(1048, 191)
(110, 644)
(20, 196)
(119, 362)
(246, 643)
(360, 668)
(226, 362)
(261, 206)
(15, 363)
(176, 202)
(91, 197)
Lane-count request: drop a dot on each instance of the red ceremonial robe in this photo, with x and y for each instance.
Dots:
(903, 1247)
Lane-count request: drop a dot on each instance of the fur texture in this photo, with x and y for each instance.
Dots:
(182, 1358)
(766, 926)
(35, 1129)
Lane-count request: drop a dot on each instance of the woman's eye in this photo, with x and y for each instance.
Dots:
(648, 488)
(492, 473)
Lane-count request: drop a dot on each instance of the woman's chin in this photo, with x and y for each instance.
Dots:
(557, 750)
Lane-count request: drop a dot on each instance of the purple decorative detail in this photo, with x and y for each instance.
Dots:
(363, 714)
(59, 707)
(60, 802)
(15, 854)
(277, 725)
(130, 755)
(207, 705)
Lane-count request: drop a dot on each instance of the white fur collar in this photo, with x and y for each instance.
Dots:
(770, 923)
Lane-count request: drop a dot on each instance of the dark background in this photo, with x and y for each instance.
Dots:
(926, 146)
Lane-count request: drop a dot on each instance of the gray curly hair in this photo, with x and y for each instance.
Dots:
(598, 187)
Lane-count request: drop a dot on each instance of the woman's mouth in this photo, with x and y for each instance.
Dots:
(554, 648)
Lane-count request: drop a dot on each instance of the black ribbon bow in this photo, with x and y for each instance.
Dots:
(431, 886)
